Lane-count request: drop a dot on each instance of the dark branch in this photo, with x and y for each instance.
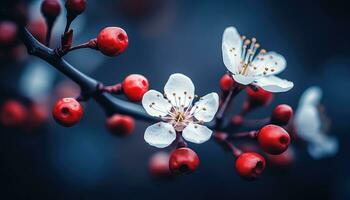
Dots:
(88, 85)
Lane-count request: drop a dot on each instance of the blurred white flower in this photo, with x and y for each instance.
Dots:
(37, 80)
(309, 127)
(248, 66)
(179, 115)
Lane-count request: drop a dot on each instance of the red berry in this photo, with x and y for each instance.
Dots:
(226, 83)
(135, 86)
(273, 139)
(183, 161)
(281, 114)
(13, 114)
(250, 165)
(159, 164)
(112, 41)
(50, 9)
(67, 112)
(237, 120)
(38, 28)
(75, 7)
(8, 33)
(38, 114)
(120, 124)
(259, 97)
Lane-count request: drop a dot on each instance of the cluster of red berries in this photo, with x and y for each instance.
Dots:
(14, 114)
(272, 138)
(68, 111)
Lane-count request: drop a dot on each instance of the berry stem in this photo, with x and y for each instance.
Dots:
(49, 31)
(69, 22)
(249, 134)
(222, 138)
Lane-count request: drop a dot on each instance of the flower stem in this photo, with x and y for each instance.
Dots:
(219, 116)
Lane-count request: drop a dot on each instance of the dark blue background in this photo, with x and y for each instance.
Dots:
(86, 162)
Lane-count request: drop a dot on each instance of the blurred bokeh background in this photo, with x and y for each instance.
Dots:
(167, 36)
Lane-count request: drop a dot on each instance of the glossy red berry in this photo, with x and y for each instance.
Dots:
(75, 7)
(250, 165)
(183, 161)
(135, 86)
(112, 41)
(273, 139)
(67, 112)
(259, 97)
(50, 9)
(159, 164)
(281, 114)
(120, 124)
(8, 33)
(226, 83)
(13, 114)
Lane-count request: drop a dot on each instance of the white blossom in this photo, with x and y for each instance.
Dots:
(250, 66)
(310, 127)
(178, 113)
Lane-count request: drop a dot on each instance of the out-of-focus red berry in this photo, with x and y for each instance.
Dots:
(226, 83)
(237, 120)
(258, 98)
(281, 114)
(50, 9)
(283, 160)
(67, 112)
(135, 86)
(120, 124)
(38, 28)
(75, 7)
(112, 41)
(159, 164)
(183, 161)
(273, 139)
(8, 33)
(37, 115)
(13, 113)
(250, 165)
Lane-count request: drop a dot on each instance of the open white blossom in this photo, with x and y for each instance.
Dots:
(248, 66)
(309, 125)
(178, 113)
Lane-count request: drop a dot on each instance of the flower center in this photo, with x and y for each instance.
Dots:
(179, 117)
(250, 47)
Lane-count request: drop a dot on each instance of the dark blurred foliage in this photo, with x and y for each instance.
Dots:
(86, 162)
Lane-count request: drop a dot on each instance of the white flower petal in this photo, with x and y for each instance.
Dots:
(206, 108)
(231, 49)
(268, 64)
(323, 147)
(196, 133)
(155, 104)
(307, 122)
(160, 134)
(179, 90)
(311, 96)
(242, 79)
(274, 84)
